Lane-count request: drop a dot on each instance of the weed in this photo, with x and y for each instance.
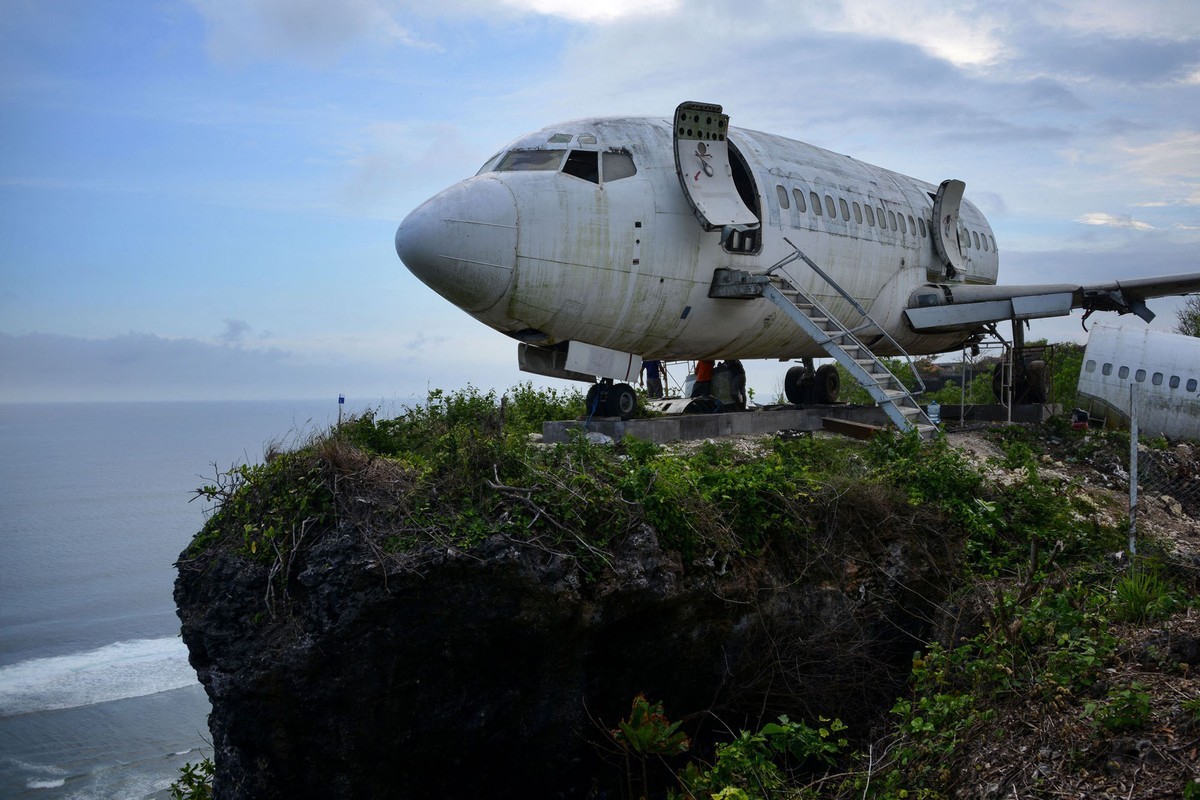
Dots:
(766, 763)
(194, 782)
(1142, 595)
(1123, 710)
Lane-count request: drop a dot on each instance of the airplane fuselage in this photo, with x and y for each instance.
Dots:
(582, 231)
(1162, 369)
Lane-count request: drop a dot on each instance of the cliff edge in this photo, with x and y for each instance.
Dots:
(359, 643)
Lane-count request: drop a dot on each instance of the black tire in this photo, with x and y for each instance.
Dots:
(793, 384)
(622, 401)
(1037, 382)
(593, 404)
(704, 404)
(828, 384)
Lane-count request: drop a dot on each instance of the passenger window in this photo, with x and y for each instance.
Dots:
(966, 238)
(921, 222)
(830, 207)
(530, 160)
(879, 213)
(903, 227)
(845, 208)
(799, 195)
(912, 224)
(857, 213)
(1123, 373)
(984, 238)
(1107, 370)
(583, 164)
(870, 215)
(782, 193)
(976, 235)
(618, 165)
(892, 220)
(1090, 366)
(993, 244)
(1157, 379)
(816, 203)
(1140, 376)
(1174, 382)
(1191, 385)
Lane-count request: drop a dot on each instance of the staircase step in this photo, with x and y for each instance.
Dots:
(841, 343)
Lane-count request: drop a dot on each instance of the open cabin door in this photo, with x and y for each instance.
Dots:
(702, 161)
(945, 227)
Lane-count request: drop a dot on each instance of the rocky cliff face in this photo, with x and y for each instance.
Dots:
(497, 671)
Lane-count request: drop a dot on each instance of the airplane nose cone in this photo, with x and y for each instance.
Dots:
(462, 243)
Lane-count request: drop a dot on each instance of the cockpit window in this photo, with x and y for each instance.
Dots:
(490, 164)
(583, 164)
(587, 164)
(526, 160)
(617, 166)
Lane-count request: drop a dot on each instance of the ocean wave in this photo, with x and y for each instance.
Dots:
(113, 672)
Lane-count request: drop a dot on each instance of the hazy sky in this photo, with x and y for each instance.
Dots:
(198, 198)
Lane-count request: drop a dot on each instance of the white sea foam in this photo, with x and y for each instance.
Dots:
(46, 784)
(113, 672)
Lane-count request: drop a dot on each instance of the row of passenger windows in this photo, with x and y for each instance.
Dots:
(1140, 376)
(873, 216)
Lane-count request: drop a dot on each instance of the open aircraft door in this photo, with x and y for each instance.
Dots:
(702, 161)
(945, 226)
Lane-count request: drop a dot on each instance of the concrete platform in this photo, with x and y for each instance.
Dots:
(661, 430)
(859, 421)
(994, 412)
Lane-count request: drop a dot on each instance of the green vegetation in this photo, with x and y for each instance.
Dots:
(194, 782)
(1046, 595)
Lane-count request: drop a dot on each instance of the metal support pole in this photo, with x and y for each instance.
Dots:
(1133, 471)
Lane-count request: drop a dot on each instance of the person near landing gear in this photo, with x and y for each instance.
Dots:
(704, 373)
(653, 370)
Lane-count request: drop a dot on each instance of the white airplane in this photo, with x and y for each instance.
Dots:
(1163, 369)
(600, 242)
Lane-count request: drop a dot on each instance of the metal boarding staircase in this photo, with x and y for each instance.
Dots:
(782, 288)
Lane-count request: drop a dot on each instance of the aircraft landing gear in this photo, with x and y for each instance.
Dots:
(606, 399)
(797, 385)
(827, 384)
(802, 385)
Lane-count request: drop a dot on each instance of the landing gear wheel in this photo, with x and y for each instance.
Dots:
(1037, 382)
(594, 402)
(739, 399)
(828, 384)
(793, 384)
(622, 401)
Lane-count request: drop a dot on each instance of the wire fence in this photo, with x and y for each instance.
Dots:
(1169, 476)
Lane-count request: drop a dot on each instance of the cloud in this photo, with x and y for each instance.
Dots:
(1115, 221)
(145, 366)
(235, 331)
(316, 32)
(964, 34)
(1171, 20)
(598, 11)
(387, 160)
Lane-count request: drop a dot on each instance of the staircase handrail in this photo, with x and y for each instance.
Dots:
(857, 307)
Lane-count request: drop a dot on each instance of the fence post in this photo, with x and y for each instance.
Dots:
(1133, 472)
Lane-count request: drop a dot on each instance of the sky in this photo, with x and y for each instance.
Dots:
(198, 198)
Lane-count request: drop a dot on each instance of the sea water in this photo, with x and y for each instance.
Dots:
(97, 699)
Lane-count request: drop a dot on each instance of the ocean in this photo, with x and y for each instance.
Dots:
(97, 699)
